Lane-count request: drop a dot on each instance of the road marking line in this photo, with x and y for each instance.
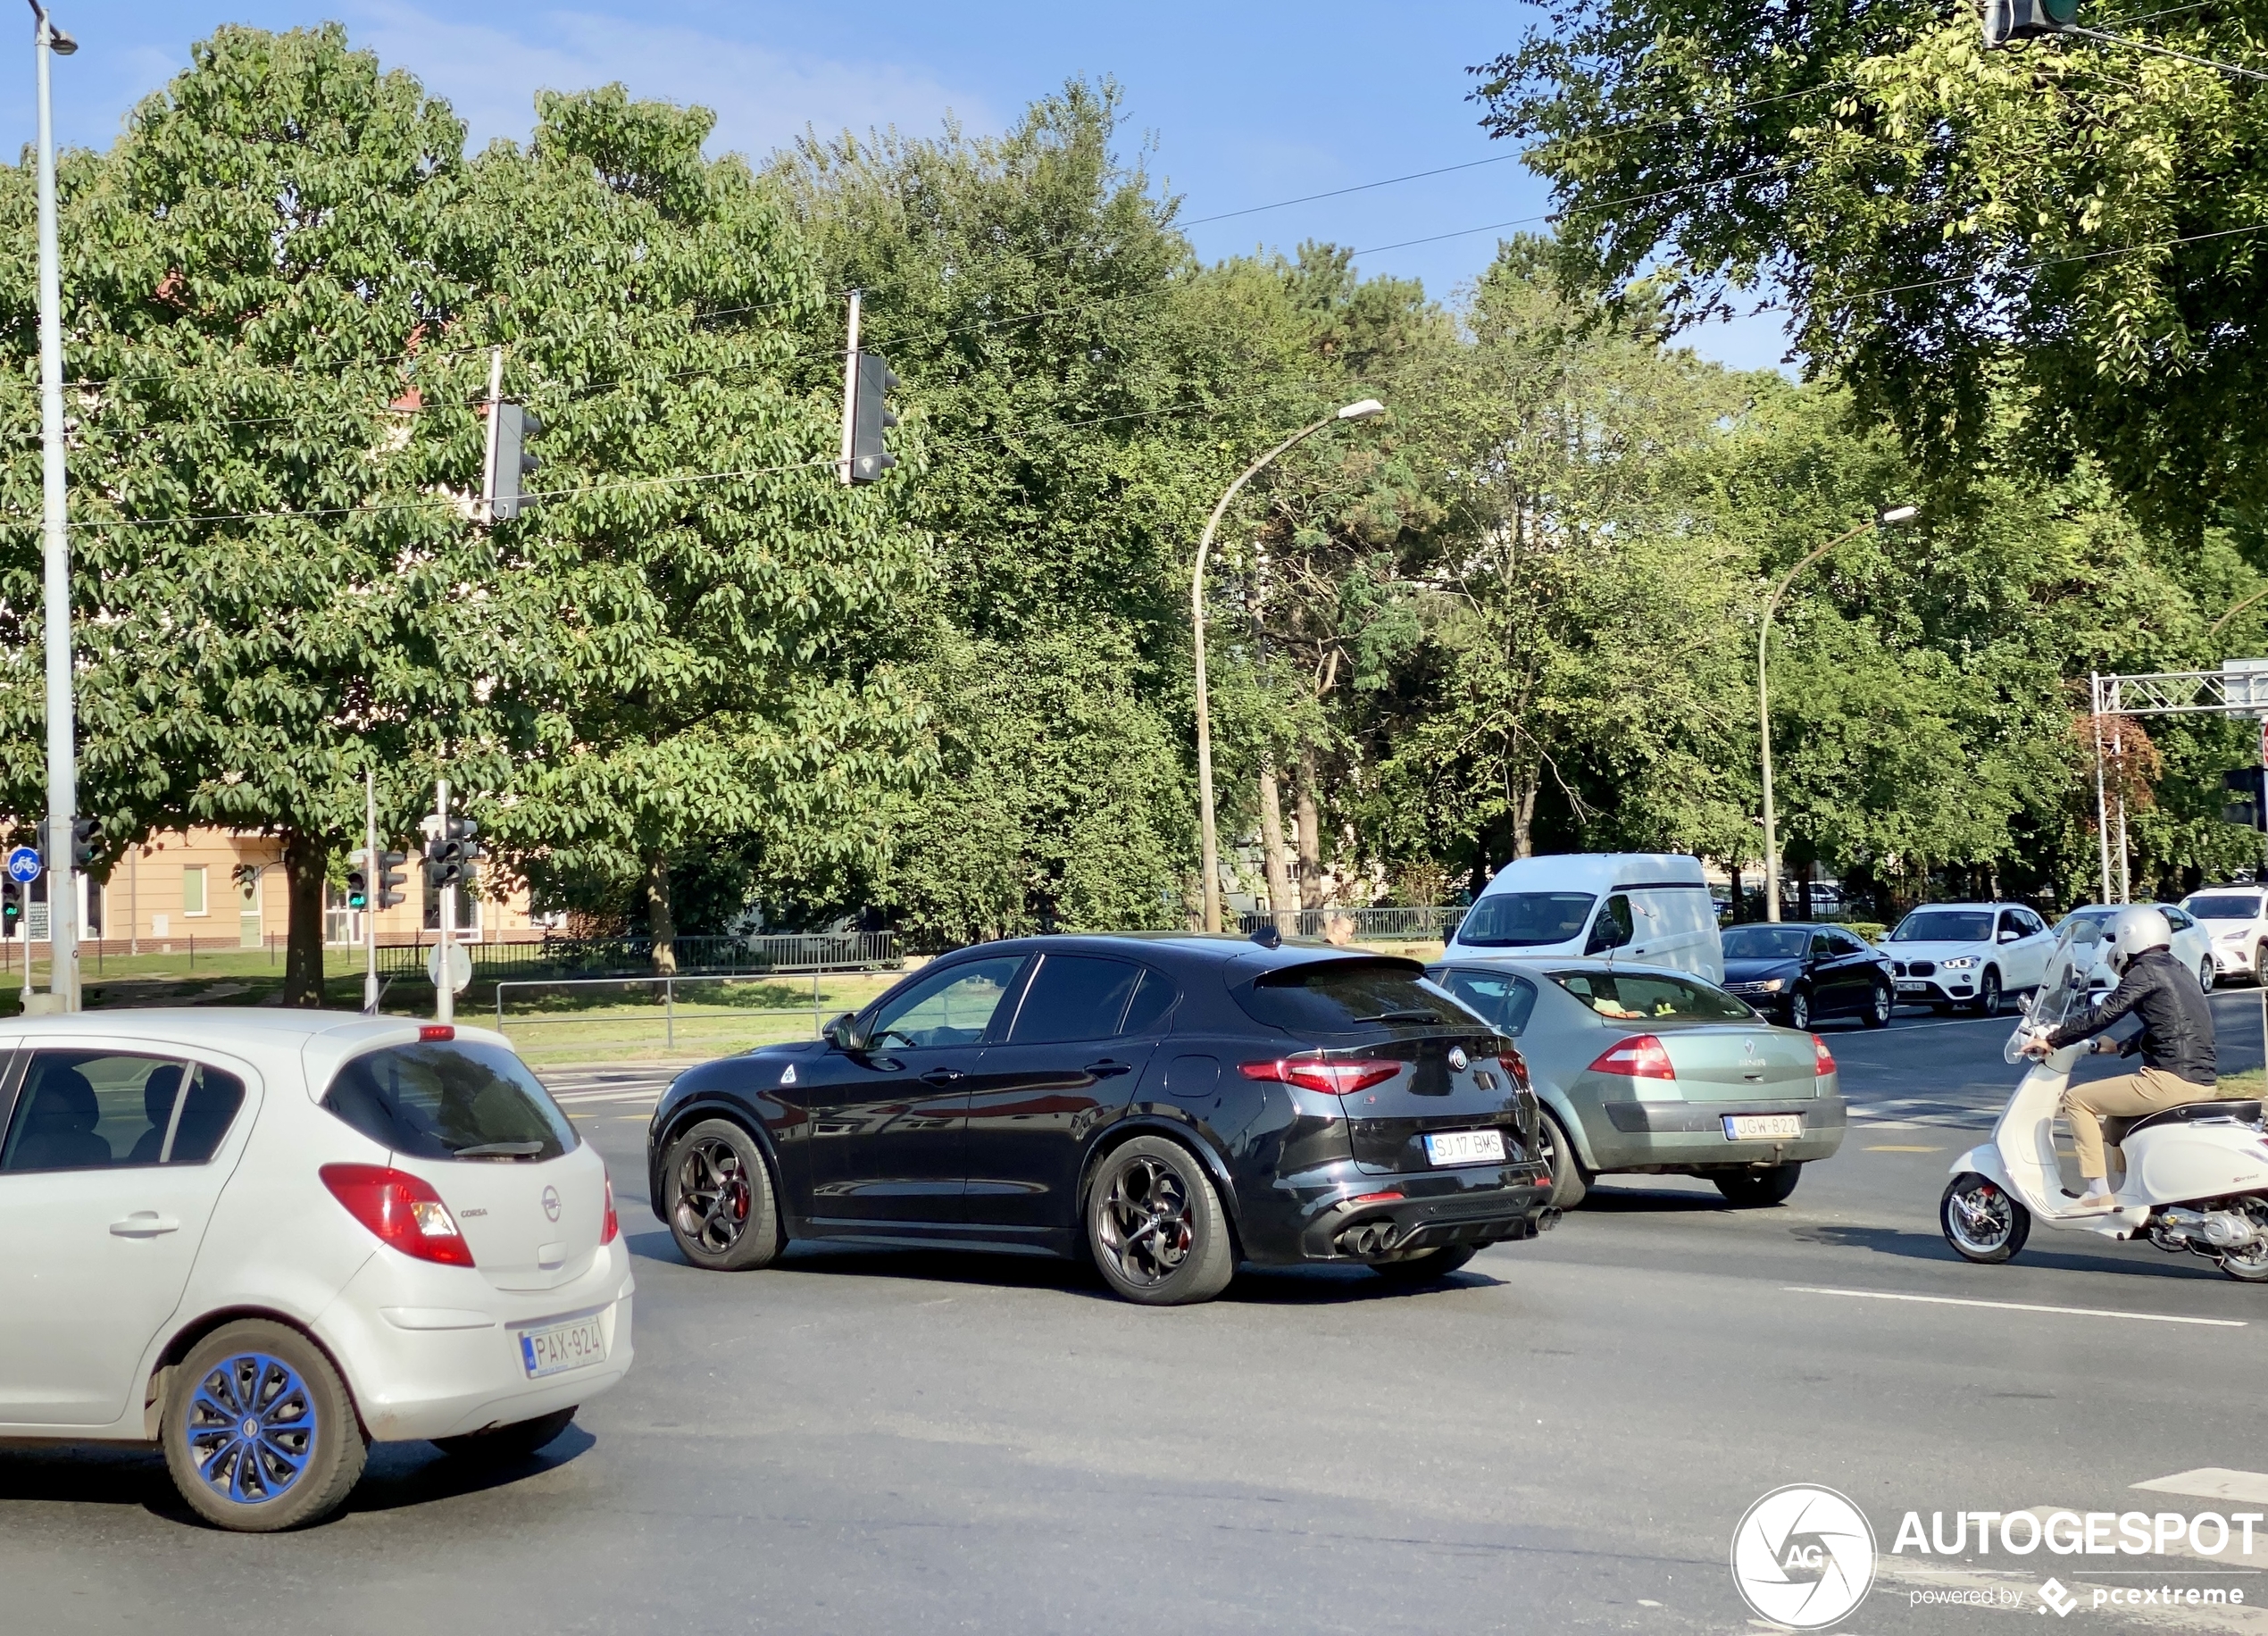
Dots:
(1894, 1148)
(2071, 1312)
(2214, 1482)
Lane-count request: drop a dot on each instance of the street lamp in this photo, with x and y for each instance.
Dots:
(1897, 513)
(1369, 408)
(63, 794)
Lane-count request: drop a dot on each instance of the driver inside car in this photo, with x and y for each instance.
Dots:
(2175, 1043)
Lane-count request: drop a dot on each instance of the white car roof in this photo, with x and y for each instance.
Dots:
(1595, 871)
(325, 1038)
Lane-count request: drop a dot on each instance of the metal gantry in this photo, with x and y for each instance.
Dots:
(2240, 687)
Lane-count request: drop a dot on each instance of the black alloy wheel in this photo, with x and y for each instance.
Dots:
(1756, 1189)
(1880, 1002)
(1156, 1226)
(1797, 1010)
(722, 1209)
(1989, 994)
(1569, 1181)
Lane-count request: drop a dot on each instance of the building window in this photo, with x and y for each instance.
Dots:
(193, 889)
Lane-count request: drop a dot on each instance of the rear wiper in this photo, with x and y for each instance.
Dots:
(500, 1150)
(1402, 1017)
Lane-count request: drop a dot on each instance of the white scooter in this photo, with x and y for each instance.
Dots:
(2196, 1175)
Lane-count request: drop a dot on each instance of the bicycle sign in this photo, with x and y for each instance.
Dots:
(23, 865)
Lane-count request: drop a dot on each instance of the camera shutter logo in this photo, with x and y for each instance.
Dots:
(1803, 1556)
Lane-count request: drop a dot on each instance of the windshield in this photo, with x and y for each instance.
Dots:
(1945, 926)
(1526, 920)
(1330, 997)
(1766, 942)
(2064, 992)
(2232, 905)
(1651, 996)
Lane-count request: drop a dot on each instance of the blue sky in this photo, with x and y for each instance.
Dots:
(1245, 104)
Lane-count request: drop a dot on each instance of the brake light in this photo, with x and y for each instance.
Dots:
(1822, 1059)
(436, 1031)
(1375, 1198)
(612, 1229)
(1338, 1078)
(401, 1209)
(1638, 1057)
(1515, 1064)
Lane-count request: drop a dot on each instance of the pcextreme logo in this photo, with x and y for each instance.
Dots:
(1803, 1556)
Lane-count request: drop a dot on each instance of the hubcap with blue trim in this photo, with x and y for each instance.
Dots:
(251, 1428)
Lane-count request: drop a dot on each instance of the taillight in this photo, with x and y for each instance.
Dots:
(1336, 1078)
(402, 1209)
(436, 1031)
(1822, 1059)
(1515, 1064)
(1638, 1057)
(612, 1229)
(1392, 1196)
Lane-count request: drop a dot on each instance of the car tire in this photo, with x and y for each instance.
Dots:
(1989, 995)
(307, 1453)
(1756, 1189)
(1796, 1012)
(1982, 1222)
(1881, 1000)
(722, 1209)
(2206, 976)
(502, 1445)
(1155, 1225)
(1569, 1183)
(2260, 963)
(1426, 1267)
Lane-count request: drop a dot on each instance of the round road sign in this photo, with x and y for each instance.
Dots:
(23, 865)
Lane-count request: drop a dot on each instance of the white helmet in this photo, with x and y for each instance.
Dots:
(2135, 930)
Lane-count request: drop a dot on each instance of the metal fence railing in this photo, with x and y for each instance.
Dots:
(820, 951)
(665, 988)
(1371, 925)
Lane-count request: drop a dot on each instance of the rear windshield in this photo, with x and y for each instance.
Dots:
(1332, 996)
(1650, 997)
(1767, 942)
(1526, 920)
(2235, 906)
(1945, 926)
(450, 1100)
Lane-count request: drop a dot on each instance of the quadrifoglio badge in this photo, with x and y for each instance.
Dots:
(1805, 1556)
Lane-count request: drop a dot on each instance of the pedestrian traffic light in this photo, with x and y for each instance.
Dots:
(450, 856)
(392, 883)
(871, 417)
(2248, 798)
(514, 464)
(2016, 20)
(358, 881)
(10, 912)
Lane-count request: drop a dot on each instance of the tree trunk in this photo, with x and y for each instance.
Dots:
(1523, 816)
(306, 877)
(1281, 904)
(1309, 823)
(659, 924)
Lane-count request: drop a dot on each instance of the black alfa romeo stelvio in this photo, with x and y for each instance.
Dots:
(1168, 1103)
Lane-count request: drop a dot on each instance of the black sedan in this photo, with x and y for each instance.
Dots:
(1170, 1105)
(1800, 973)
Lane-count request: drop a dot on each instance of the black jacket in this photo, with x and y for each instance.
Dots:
(2177, 1023)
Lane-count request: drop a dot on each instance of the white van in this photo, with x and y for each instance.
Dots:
(1650, 908)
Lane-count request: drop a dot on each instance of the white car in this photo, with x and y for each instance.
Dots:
(2192, 944)
(1968, 954)
(2237, 927)
(264, 1239)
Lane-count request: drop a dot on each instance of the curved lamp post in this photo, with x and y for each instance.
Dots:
(1209, 840)
(1897, 513)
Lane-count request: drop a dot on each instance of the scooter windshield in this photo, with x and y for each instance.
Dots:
(2067, 989)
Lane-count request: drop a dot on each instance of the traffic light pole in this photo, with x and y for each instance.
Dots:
(850, 392)
(445, 993)
(62, 792)
(374, 891)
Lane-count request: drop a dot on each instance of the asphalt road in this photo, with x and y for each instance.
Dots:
(1563, 1438)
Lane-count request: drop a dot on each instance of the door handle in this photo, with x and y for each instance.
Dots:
(144, 1224)
(1106, 1068)
(943, 1076)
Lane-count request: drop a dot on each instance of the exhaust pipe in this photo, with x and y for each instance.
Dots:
(1542, 1219)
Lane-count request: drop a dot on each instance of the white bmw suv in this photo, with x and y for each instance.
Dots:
(264, 1238)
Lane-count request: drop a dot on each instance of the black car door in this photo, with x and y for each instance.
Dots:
(1834, 978)
(888, 1128)
(1082, 1034)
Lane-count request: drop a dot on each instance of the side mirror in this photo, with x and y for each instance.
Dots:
(842, 1033)
(2012, 936)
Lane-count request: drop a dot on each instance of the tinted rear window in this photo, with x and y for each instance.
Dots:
(1334, 995)
(2231, 907)
(1651, 996)
(1074, 997)
(457, 1100)
(1526, 920)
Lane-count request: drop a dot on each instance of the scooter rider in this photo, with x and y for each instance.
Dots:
(2175, 1042)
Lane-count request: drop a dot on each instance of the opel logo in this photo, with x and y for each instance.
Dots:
(1458, 1058)
(551, 1203)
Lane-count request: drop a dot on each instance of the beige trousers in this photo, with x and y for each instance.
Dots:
(2121, 1101)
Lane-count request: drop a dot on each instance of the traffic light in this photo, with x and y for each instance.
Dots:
(871, 417)
(392, 883)
(86, 843)
(450, 856)
(2248, 798)
(2017, 19)
(358, 881)
(514, 464)
(10, 912)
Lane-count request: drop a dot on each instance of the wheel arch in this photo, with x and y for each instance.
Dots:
(1561, 1108)
(157, 1383)
(711, 1105)
(1119, 1132)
